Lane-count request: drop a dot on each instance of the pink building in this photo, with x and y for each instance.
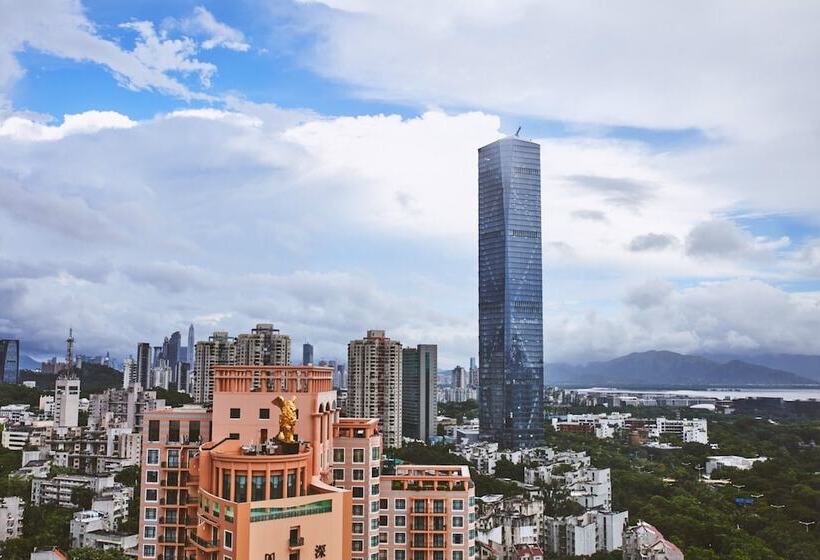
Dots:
(428, 513)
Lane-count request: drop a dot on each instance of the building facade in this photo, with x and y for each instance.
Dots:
(374, 383)
(218, 349)
(11, 517)
(511, 346)
(67, 401)
(307, 354)
(9, 361)
(419, 391)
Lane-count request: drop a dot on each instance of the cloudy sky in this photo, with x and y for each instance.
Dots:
(313, 164)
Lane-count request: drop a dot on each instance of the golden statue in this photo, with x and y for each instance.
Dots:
(287, 418)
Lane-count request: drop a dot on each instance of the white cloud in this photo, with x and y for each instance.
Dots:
(61, 28)
(203, 23)
(725, 239)
(21, 128)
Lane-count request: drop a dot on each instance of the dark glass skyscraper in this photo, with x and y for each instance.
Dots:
(10, 360)
(510, 313)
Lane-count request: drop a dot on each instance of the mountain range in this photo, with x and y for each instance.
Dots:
(658, 368)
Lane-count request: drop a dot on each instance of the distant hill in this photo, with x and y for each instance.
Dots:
(801, 364)
(93, 378)
(27, 362)
(658, 368)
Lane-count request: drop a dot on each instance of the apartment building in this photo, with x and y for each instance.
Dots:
(122, 407)
(427, 512)
(168, 504)
(94, 450)
(11, 517)
(357, 468)
(264, 345)
(585, 534)
(374, 383)
(218, 349)
(645, 542)
(58, 489)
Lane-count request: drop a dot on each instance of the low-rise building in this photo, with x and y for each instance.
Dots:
(57, 490)
(506, 523)
(732, 462)
(11, 517)
(17, 413)
(645, 542)
(585, 534)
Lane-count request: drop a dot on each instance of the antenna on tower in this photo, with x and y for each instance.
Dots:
(69, 354)
(517, 131)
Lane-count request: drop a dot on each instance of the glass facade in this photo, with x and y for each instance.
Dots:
(10, 361)
(511, 336)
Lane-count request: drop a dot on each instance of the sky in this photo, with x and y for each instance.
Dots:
(314, 164)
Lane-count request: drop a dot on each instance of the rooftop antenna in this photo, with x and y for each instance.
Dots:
(69, 354)
(517, 131)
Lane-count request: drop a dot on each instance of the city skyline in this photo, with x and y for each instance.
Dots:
(674, 204)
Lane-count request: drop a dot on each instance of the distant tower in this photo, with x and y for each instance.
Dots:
(191, 345)
(419, 379)
(307, 354)
(67, 390)
(143, 364)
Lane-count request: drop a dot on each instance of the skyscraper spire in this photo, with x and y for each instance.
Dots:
(69, 354)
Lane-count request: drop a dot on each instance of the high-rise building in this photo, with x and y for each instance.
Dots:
(307, 354)
(67, 401)
(473, 373)
(510, 313)
(374, 383)
(191, 346)
(9, 360)
(419, 379)
(263, 346)
(218, 349)
(143, 364)
(157, 356)
(459, 379)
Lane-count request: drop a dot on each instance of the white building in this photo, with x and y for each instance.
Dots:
(645, 542)
(689, 430)
(46, 405)
(58, 490)
(731, 461)
(11, 517)
(585, 534)
(16, 413)
(16, 437)
(67, 401)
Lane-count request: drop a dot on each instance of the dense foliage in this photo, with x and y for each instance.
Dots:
(173, 398)
(705, 521)
(94, 378)
(19, 394)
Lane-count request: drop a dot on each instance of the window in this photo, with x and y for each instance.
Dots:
(383, 521)
(338, 455)
(458, 521)
(153, 430)
(375, 453)
(233, 435)
(236, 413)
(382, 504)
(150, 514)
(226, 484)
(264, 413)
(173, 430)
(458, 538)
(374, 541)
(149, 532)
(258, 487)
(241, 490)
(458, 555)
(400, 538)
(358, 455)
(400, 555)
(358, 474)
(458, 505)
(401, 521)
(374, 524)
(358, 528)
(358, 510)
(401, 504)
(193, 430)
(228, 540)
(374, 489)
(173, 458)
(229, 514)
(275, 486)
(374, 472)
(438, 506)
(374, 506)
(382, 538)
(151, 495)
(338, 474)
(358, 546)
(152, 476)
(152, 457)
(358, 492)
(291, 484)
(149, 551)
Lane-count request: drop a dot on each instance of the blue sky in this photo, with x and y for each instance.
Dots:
(312, 164)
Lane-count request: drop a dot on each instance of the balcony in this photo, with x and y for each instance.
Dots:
(296, 542)
(204, 544)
